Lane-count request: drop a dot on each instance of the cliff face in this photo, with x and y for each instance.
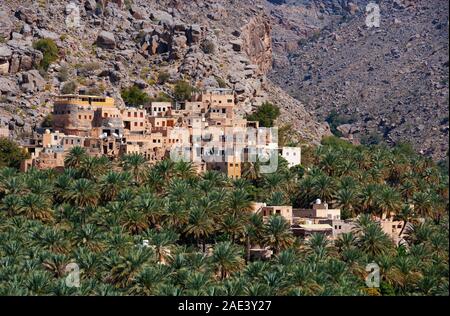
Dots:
(257, 42)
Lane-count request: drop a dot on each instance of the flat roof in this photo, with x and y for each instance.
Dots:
(316, 226)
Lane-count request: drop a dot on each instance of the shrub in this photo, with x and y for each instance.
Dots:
(266, 114)
(183, 90)
(134, 96)
(48, 121)
(63, 74)
(69, 87)
(88, 69)
(11, 155)
(162, 97)
(163, 77)
(335, 119)
(208, 47)
(371, 139)
(221, 82)
(49, 50)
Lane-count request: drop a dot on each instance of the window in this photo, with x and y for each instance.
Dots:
(129, 114)
(230, 101)
(278, 212)
(79, 117)
(142, 124)
(135, 114)
(340, 227)
(142, 114)
(55, 137)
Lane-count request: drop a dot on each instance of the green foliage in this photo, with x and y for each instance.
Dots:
(266, 114)
(69, 88)
(133, 96)
(11, 155)
(163, 229)
(49, 50)
(48, 121)
(371, 139)
(162, 97)
(163, 77)
(183, 90)
(335, 119)
(221, 82)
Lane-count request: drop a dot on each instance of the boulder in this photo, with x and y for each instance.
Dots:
(106, 40)
(194, 34)
(5, 25)
(8, 86)
(26, 14)
(236, 45)
(90, 5)
(5, 52)
(31, 81)
(137, 13)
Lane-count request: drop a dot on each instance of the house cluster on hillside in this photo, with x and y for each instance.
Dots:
(204, 130)
(320, 219)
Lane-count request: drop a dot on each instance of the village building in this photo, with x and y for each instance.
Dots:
(204, 130)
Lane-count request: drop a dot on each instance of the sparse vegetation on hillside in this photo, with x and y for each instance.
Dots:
(49, 50)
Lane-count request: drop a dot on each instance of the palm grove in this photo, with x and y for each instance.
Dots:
(97, 213)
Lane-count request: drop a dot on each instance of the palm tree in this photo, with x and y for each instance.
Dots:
(163, 243)
(124, 269)
(11, 204)
(111, 184)
(422, 204)
(227, 258)
(324, 187)
(93, 167)
(373, 241)
(388, 201)
(277, 234)
(185, 170)
(200, 225)
(83, 193)
(233, 225)
(405, 215)
(346, 199)
(75, 156)
(238, 201)
(136, 164)
(35, 206)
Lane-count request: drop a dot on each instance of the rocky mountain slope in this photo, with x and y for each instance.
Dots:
(106, 46)
(386, 83)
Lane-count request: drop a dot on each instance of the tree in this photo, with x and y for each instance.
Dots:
(277, 234)
(183, 90)
(200, 225)
(373, 241)
(134, 96)
(75, 156)
(11, 155)
(136, 164)
(49, 50)
(266, 114)
(83, 193)
(69, 87)
(227, 258)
